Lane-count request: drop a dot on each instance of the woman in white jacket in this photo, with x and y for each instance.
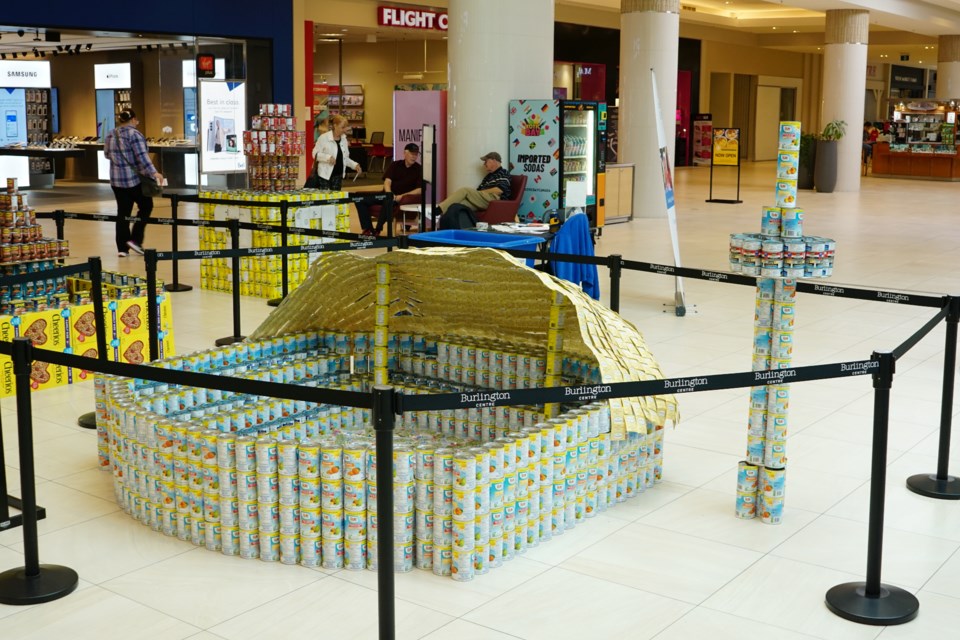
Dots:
(331, 155)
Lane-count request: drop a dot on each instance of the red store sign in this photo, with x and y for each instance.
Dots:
(411, 18)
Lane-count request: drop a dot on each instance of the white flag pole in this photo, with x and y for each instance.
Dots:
(679, 296)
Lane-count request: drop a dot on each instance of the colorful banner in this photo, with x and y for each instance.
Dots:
(726, 147)
(702, 139)
(535, 153)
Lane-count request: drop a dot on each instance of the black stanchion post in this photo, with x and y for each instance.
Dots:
(383, 423)
(284, 276)
(33, 583)
(871, 602)
(235, 266)
(60, 221)
(175, 286)
(942, 485)
(89, 420)
(387, 210)
(153, 316)
(615, 264)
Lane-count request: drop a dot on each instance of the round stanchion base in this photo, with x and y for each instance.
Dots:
(222, 342)
(893, 606)
(929, 485)
(274, 302)
(88, 420)
(177, 287)
(53, 582)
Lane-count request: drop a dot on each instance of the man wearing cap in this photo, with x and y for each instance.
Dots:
(494, 186)
(402, 178)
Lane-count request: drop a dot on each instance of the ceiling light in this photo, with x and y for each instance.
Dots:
(774, 28)
(794, 30)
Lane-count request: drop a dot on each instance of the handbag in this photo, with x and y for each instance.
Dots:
(149, 186)
(313, 180)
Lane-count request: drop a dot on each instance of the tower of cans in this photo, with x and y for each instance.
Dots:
(273, 147)
(778, 255)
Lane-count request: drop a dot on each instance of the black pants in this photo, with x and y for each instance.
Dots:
(126, 198)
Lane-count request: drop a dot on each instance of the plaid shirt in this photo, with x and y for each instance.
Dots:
(129, 159)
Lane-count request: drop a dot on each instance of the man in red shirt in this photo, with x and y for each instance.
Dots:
(402, 178)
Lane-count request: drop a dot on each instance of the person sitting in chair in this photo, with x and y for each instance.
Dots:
(402, 178)
(494, 186)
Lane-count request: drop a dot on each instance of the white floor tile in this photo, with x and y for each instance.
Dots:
(206, 588)
(707, 514)
(463, 630)
(333, 608)
(524, 612)
(909, 560)
(946, 581)
(93, 614)
(107, 547)
(716, 625)
(693, 466)
(789, 594)
(937, 619)
(672, 564)
(442, 594)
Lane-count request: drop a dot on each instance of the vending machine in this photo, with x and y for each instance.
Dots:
(555, 143)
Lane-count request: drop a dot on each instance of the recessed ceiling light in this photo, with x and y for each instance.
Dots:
(794, 30)
(344, 30)
(774, 28)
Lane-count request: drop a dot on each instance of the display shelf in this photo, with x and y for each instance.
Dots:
(38, 128)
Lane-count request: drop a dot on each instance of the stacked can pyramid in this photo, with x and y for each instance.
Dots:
(778, 255)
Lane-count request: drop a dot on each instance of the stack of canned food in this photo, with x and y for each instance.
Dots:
(261, 276)
(273, 147)
(285, 481)
(781, 257)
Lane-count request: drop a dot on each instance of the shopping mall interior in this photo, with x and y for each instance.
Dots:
(672, 563)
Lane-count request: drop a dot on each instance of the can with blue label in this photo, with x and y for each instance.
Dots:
(771, 509)
(746, 504)
(747, 477)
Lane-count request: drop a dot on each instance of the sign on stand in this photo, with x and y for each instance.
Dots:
(725, 153)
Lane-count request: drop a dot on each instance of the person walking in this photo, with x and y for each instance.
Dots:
(331, 156)
(126, 148)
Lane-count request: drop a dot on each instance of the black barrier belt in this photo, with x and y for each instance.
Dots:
(276, 251)
(519, 253)
(591, 392)
(292, 204)
(59, 272)
(911, 299)
(318, 395)
(912, 341)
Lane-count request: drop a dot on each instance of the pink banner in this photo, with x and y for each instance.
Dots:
(412, 110)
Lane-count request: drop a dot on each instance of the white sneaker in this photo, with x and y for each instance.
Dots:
(122, 254)
(137, 249)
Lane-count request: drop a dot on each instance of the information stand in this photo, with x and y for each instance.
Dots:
(726, 153)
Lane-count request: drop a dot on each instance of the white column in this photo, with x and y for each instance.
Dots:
(948, 68)
(497, 50)
(844, 83)
(649, 39)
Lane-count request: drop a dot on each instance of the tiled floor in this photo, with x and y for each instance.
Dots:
(671, 564)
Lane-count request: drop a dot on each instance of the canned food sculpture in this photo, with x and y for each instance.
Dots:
(295, 482)
(778, 255)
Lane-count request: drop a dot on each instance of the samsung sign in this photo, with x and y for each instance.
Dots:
(24, 75)
(411, 18)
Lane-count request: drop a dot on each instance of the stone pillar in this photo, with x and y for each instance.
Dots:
(498, 50)
(649, 39)
(948, 68)
(844, 83)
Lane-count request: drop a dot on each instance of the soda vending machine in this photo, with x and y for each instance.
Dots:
(554, 143)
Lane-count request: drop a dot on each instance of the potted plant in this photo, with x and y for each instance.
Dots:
(825, 172)
(808, 158)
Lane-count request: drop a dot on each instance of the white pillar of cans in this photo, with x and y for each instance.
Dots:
(649, 33)
(948, 67)
(844, 79)
(498, 50)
